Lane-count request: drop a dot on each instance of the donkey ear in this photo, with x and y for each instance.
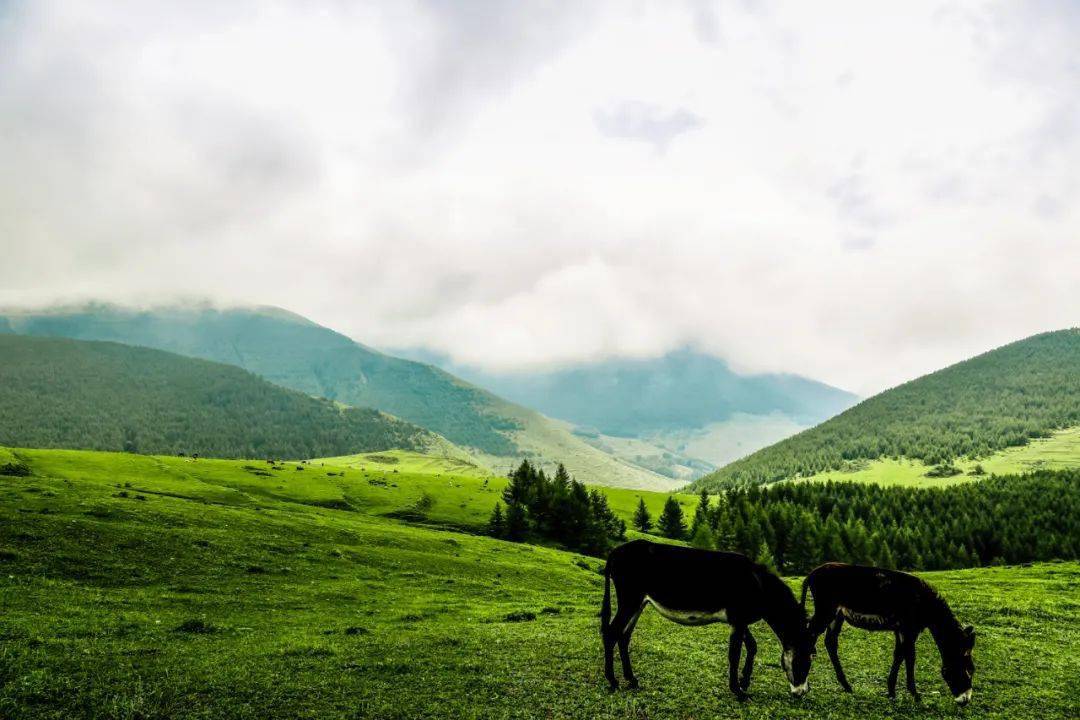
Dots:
(969, 633)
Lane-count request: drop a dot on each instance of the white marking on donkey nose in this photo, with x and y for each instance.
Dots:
(800, 690)
(964, 697)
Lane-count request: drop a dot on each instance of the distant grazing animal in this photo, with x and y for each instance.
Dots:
(699, 587)
(877, 599)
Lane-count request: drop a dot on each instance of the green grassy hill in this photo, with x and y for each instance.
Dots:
(459, 495)
(293, 352)
(973, 410)
(141, 587)
(56, 392)
(1059, 451)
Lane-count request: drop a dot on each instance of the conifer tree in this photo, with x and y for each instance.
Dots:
(701, 513)
(671, 522)
(765, 557)
(642, 518)
(497, 525)
(702, 537)
(517, 522)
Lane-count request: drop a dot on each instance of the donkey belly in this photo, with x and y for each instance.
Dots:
(867, 621)
(685, 616)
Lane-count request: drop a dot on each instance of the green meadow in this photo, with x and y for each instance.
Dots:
(1058, 452)
(154, 587)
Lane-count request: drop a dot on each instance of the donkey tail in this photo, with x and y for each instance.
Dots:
(605, 609)
(805, 587)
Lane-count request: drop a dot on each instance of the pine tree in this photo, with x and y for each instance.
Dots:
(831, 544)
(703, 537)
(701, 513)
(802, 555)
(765, 557)
(497, 525)
(642, 518)
(578, 513)
(879, 550)
(520, 488)
(720, 522)
(517, 522)
(671, 522)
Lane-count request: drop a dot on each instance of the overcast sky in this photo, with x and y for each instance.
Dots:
(856, 195)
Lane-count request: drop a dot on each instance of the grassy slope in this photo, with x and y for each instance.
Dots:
(1060, 451)
(405, 461)
(462, 495)
(647, 454)
(57, 392)
(549, 441)
(293, 352)
(318, 612)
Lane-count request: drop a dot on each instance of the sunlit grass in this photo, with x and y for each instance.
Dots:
(137, 587)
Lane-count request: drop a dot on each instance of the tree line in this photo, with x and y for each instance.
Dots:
(1000, 399)
(794, 527)
(558, 509)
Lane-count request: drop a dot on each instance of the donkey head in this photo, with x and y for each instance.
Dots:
(957, 667)
(796, 659)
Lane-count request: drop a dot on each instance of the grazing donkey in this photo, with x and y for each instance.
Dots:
(877, 599)
(699, 587)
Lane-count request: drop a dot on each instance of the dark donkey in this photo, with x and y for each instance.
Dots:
(699, 587)
(886, 600)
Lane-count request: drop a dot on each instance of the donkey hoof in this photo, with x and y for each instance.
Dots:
(741, 696)
(744, 683)
(612, 686)
(632, 684)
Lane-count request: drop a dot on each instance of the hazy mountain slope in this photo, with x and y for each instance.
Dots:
(293, 352)
(997, 400)
(57, 392)
(681, 415)
(683, 389)
(722, 442)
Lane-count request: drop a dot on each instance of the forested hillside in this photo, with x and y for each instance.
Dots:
(1000, 399)
(293, 352)
(57, 392)
(794, 526)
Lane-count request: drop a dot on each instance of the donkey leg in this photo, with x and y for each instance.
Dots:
(748, 664)
(832, 643)
(909, 664)
(823, 615)
(614, 635)
(735, 641)
(624, 651)
(610, 638)
(897, 656)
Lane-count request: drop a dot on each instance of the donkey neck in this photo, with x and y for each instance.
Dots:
(782, 613)
(942, 624)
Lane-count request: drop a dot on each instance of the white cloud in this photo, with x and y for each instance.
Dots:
(855, 195)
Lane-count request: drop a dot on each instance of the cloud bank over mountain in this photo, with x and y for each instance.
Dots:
(852, 195)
